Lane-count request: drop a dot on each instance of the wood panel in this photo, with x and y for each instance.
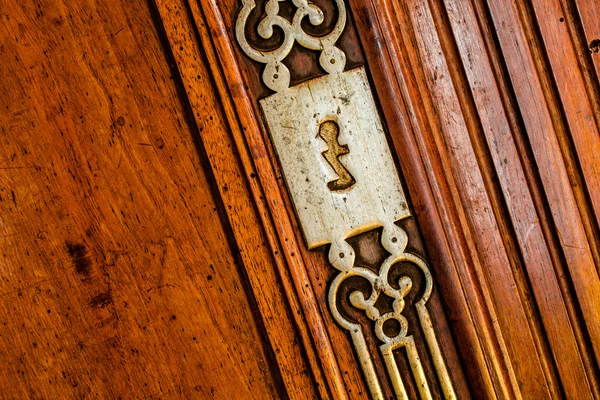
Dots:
(119, 278)
(515, 179)
(150, 247)
(499, 157)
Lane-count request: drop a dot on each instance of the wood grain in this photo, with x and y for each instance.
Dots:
(543, 111)
(475, 155)
(118, 276)
(149, 247)
(469, 100)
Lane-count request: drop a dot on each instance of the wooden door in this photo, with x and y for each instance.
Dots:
(153, 242)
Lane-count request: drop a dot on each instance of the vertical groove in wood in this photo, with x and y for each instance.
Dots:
(575, 174)
(406, 147)
(481, 380)
(561, 127)
(520, 50)
(501, 372)
(587, 17)
(552, 266)
(556, 320)
(535, 185)
(479, 210)
(288, 363)
(574, 122)
(251, 146)
(584, 55)
(494, 191)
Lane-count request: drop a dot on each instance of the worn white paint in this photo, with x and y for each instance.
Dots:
(293, 117)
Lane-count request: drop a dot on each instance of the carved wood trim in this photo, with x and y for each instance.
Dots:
(436, 202)
(440, 50)
(451, 167)
(259, 173)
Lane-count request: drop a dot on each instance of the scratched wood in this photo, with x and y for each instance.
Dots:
(148, 246)
(502, 151)
(118, 275)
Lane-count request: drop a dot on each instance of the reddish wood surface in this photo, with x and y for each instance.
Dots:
(518, 210)
(119, 278)
(149, 246)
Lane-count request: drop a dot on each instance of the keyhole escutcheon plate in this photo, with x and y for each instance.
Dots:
(335, 156)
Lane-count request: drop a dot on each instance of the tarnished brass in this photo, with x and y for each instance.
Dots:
(329, 131)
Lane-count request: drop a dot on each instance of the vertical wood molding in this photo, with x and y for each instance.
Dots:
(179, 16)
(552, 268)
(249, 144)
(455, 257)
(544, 109)
(496, 165)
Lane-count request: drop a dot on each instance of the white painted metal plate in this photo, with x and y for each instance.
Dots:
(295, 116)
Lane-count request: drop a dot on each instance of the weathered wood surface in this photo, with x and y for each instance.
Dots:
(118, 275)
(148, 247)
(500, 102)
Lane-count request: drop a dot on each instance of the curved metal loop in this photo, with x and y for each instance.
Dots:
(276, 75)
(394, 240)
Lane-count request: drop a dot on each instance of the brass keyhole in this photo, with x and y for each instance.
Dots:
(329, 131)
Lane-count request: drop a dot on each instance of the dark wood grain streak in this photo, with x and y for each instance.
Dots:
(237, 197)
(584, 50)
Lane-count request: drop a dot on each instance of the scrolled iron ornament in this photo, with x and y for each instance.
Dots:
(394, 240)
(276, 76)
(343, 181)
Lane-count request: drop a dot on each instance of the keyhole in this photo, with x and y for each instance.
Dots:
(329, 131)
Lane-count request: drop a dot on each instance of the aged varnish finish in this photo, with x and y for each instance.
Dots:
(119, 274)
(151, 244)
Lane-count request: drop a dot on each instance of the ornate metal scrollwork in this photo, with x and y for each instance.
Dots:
(335, 200)
(394, 240)
(276, 75)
